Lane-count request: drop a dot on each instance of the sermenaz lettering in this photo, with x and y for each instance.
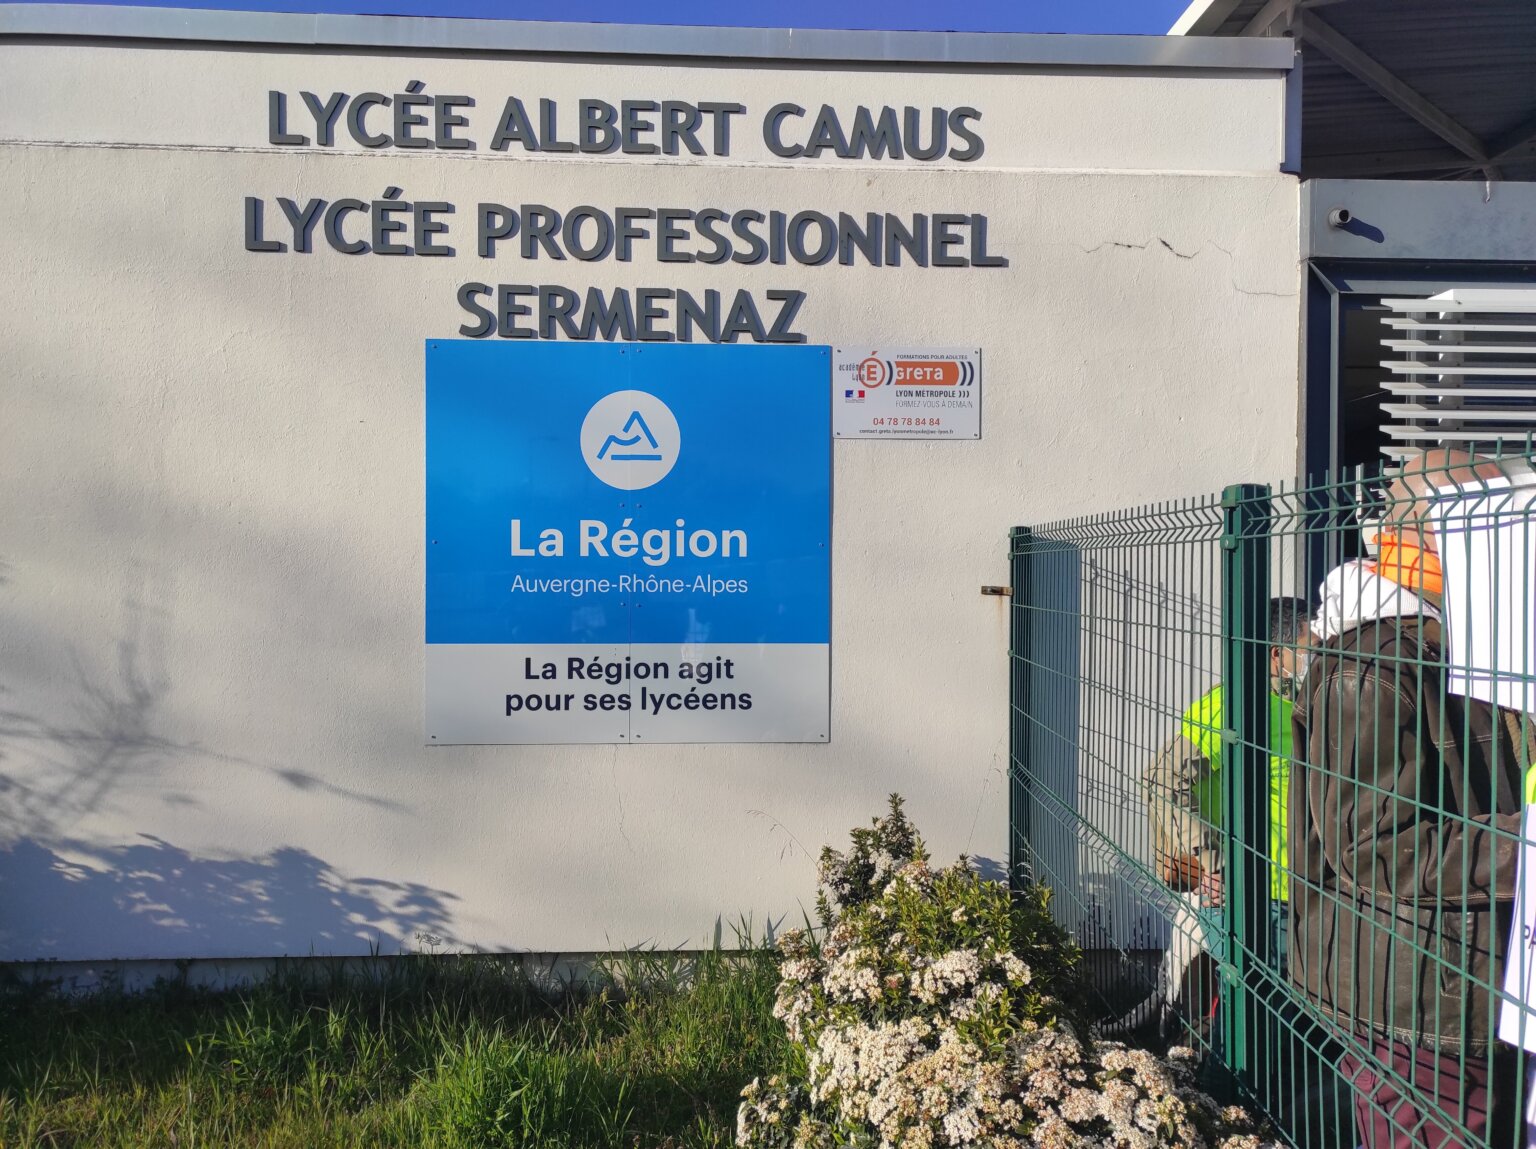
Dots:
(654, 547)
(648, 315)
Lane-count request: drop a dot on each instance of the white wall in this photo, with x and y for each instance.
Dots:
(211, 491)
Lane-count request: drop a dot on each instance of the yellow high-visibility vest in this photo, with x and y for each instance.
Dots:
(1202, 724)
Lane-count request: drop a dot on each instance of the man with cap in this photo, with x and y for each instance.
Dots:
(1405, 816)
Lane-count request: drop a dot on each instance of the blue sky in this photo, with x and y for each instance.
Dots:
(1144, 17)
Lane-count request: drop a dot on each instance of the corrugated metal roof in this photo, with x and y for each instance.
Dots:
(1473, 60)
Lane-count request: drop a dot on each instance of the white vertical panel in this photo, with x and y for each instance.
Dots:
(1463, 369)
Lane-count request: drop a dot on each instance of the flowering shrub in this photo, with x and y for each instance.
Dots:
(931, 1009)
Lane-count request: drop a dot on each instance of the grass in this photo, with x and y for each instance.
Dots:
(452, 1051)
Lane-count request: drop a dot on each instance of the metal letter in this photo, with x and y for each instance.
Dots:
(253, 240)
(325, 115)
(356, 112)
(277, 115)
(771, 130)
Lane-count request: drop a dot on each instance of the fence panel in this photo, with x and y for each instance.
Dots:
(1269, 750)
(1116, 627)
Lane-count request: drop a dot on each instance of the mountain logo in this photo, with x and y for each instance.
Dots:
(630, 440)
(637, 424)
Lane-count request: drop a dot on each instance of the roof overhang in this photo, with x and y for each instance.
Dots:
(1400, 88)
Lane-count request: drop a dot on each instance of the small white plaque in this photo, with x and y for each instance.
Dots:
(906, 392)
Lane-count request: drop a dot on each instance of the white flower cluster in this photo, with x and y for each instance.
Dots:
(974, 1005)
(917, 1026)
(914, 1093)
(951, 972)
(852, 976)
(841, 876)
(1014, 970)
(1121, 1098)
(761, 1107)
(913, 875)
(799, 972)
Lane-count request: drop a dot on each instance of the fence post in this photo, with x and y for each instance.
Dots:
(1245, 541)
(1020, 540)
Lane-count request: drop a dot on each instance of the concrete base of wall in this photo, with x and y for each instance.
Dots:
(1116, 976)
(552, 973)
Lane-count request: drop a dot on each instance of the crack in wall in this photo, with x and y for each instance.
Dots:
(1159, 241)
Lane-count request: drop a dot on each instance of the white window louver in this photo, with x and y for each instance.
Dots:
(1463, 370)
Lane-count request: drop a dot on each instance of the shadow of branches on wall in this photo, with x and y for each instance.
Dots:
(151, 899)
(68, 892)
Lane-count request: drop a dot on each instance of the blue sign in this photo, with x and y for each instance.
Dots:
(662, 501)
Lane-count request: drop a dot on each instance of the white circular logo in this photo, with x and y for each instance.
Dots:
(630, 439)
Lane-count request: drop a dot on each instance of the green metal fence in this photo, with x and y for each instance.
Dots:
(1270, 749)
